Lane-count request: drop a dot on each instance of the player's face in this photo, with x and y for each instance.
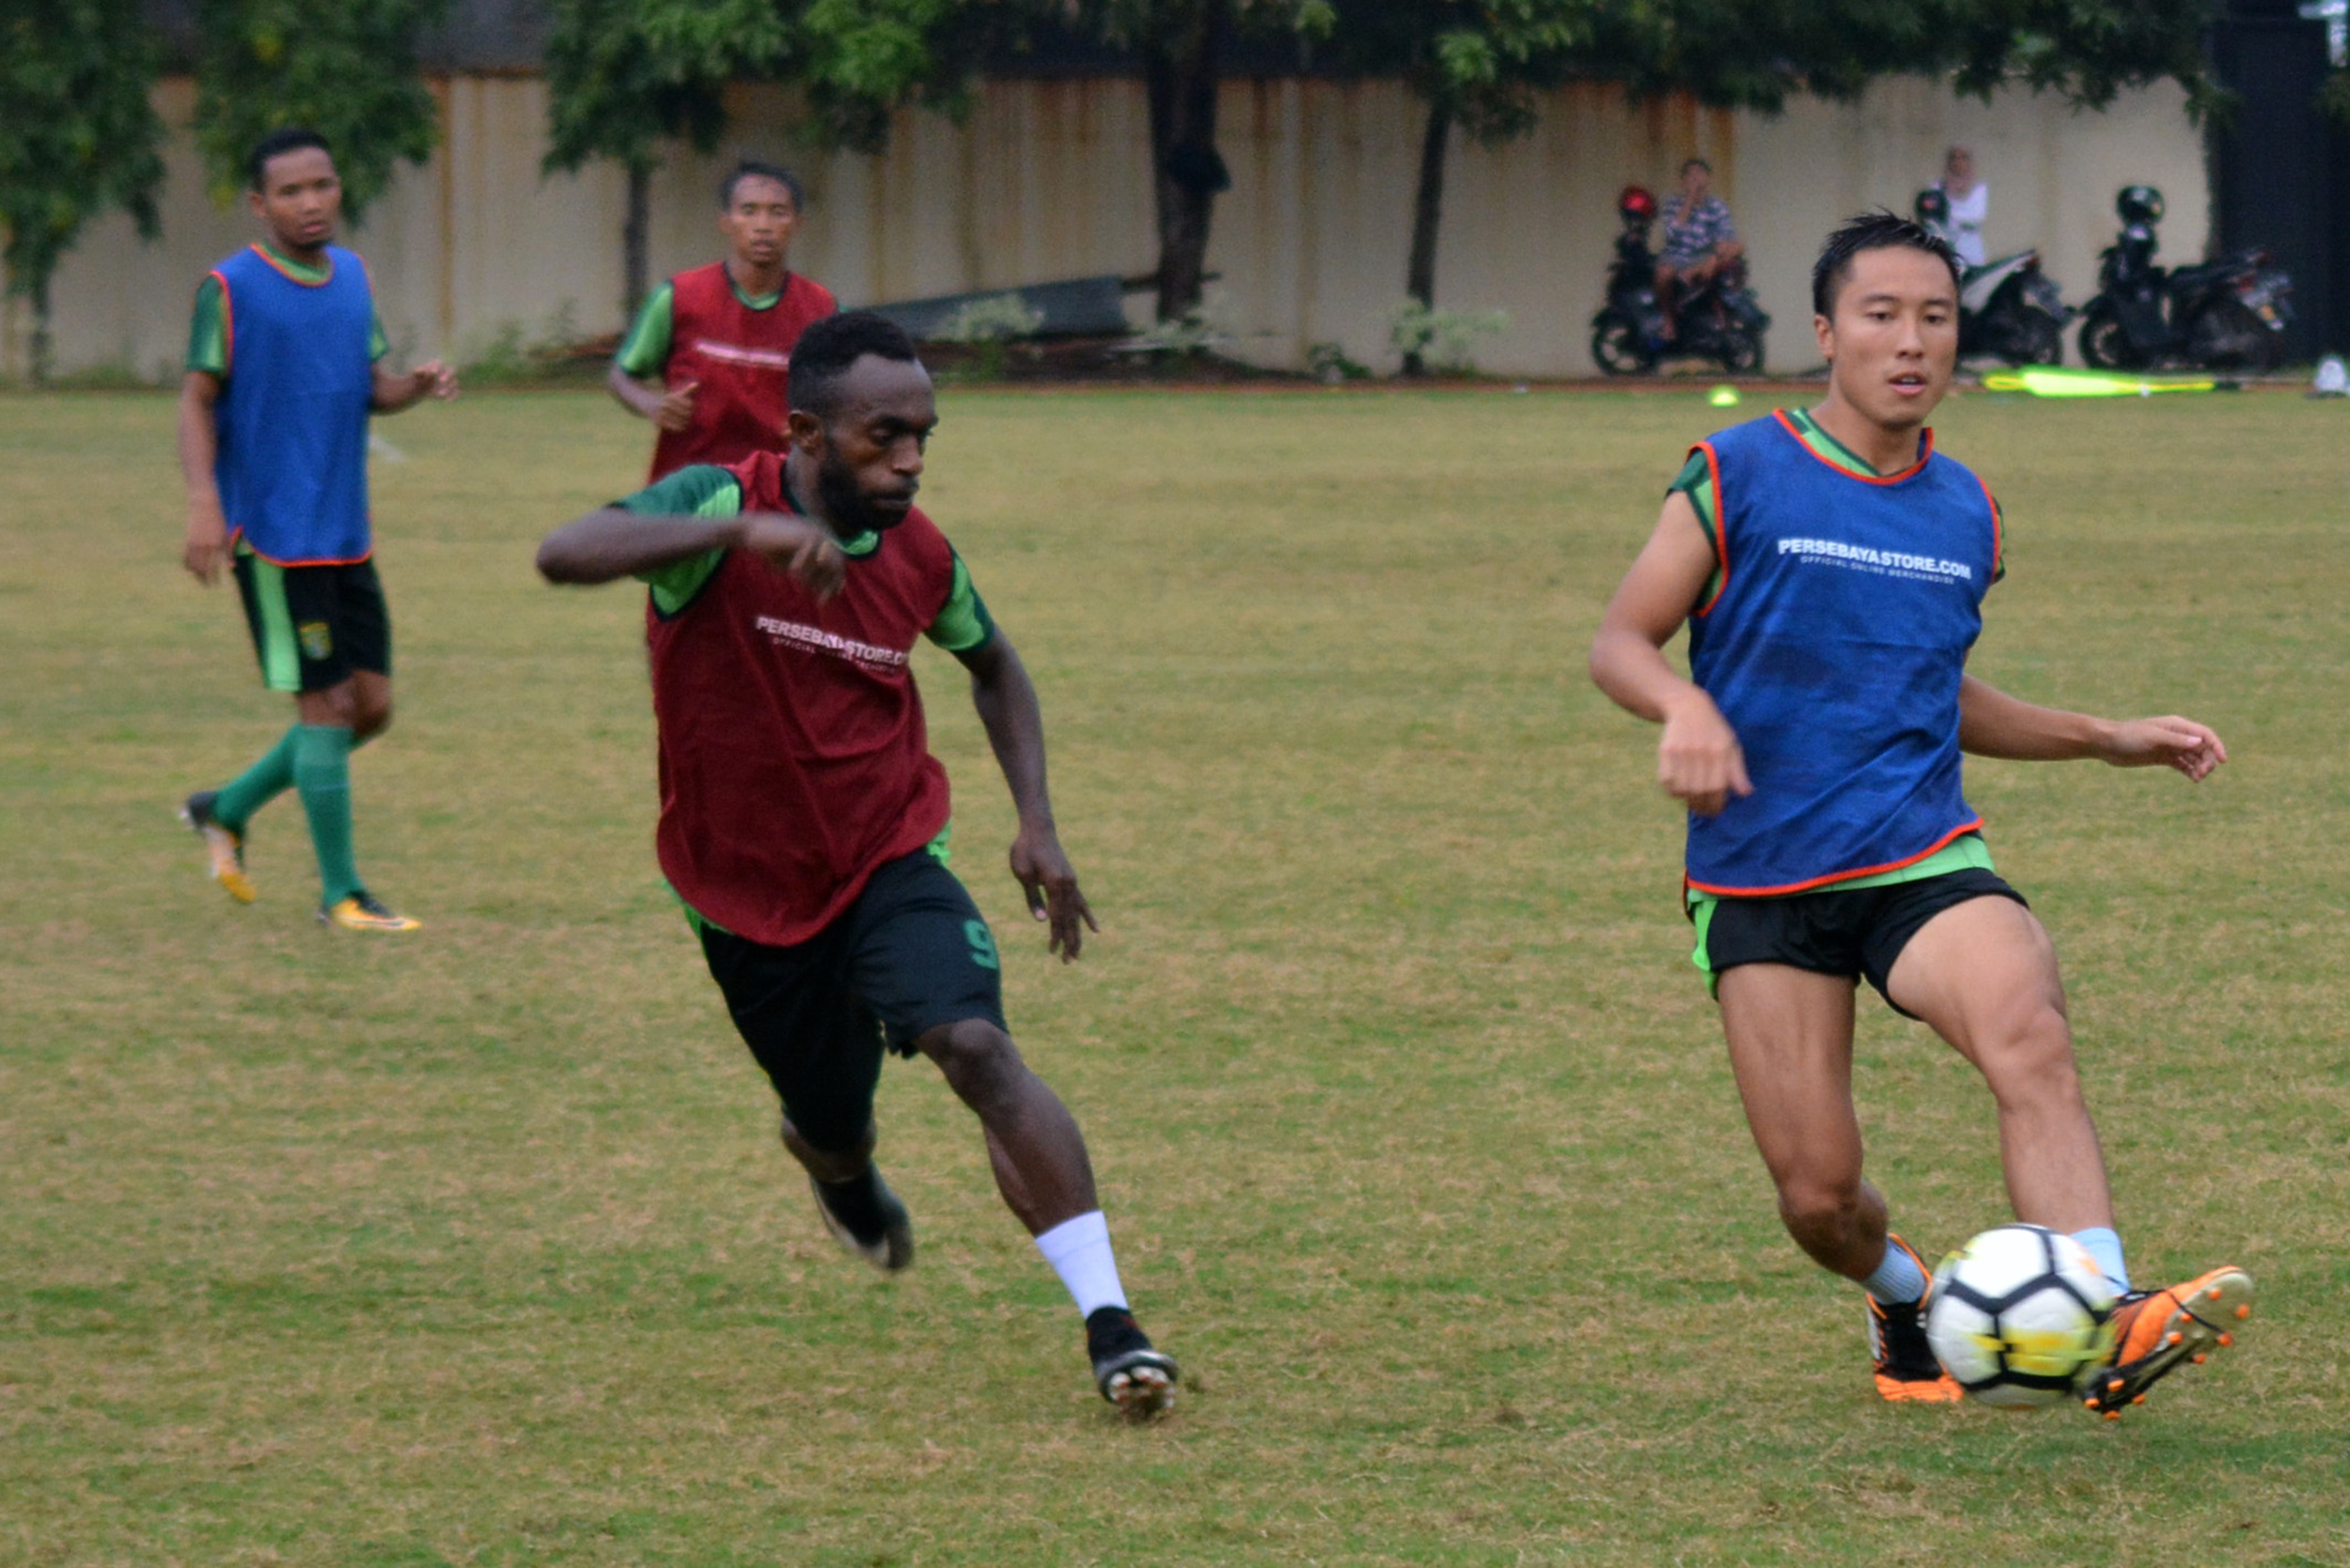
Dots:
(870, 462)
(760, 219)
(300, 199)
(1893, 340)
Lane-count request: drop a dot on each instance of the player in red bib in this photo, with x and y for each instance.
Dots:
(716, 341)
(804, 818)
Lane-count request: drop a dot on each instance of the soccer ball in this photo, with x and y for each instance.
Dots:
(2020, 1315)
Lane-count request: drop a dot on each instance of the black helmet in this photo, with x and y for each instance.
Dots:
(2139, 204)
(1933, 207)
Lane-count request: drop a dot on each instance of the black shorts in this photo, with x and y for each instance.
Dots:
(909, 954)
(314, 625)
(1858, 931)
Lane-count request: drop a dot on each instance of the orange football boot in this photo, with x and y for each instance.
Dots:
(1906, 1370)
(2158, 1331)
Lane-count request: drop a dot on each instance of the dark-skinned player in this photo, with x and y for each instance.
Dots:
(804, 820)
(1831, 568)
(707, 357)
(285, 366)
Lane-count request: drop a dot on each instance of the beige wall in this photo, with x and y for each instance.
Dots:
(1047, 179)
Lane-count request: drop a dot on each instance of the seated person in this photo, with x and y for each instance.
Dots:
(1700, 239)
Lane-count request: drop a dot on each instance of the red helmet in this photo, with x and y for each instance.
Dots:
(1636, 203)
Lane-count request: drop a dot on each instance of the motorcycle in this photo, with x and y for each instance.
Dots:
(1719, 319)
(2227, 314)
(2008, 310)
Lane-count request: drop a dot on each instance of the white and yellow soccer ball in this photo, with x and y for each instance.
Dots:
(2020, 1316)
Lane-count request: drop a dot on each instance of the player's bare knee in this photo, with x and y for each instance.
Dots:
(979, 1061)
(334, 708)
(1814, 1204)
(370, 719)
(2030, 1063)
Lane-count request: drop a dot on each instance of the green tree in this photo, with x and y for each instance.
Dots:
(347, 69)
(1182, 46)
(624, 76)
(1756, 54)
(1479, 66)
(77, 135)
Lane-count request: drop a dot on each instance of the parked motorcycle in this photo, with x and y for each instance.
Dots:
(1719, 319)
(2227, 314)
(2008, 308)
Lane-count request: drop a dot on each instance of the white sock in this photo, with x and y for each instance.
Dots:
(2104, 1246)
(1079, 1251)
(1898, 1276)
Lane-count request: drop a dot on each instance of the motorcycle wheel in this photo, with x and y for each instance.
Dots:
(1619, 348)
(2231, 336)
(2106, 342)
(1741, 350)
(2037, 338)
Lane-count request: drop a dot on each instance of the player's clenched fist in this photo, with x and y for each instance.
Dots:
(799, 548)
(675, 412)
(1698, 760)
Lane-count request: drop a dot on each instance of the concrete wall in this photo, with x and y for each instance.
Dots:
(1048, 179)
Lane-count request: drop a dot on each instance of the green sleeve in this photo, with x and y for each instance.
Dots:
(700, 490)
(646, 348)
(1695, 481)
(207, 332)
(378, 345)
(963, 622)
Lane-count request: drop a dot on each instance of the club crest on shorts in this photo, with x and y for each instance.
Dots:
(317, 639)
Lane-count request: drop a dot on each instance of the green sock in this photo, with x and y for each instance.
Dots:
(259, 784)
(321, 771)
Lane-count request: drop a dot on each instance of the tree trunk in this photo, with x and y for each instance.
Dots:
(1181, 77)
(1419, 280)
(39, 366)
(635, 261)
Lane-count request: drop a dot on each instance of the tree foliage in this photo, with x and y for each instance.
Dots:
(77, 134)
(625, 76)
(345, 68)
(1483, 63)
(1757, 54)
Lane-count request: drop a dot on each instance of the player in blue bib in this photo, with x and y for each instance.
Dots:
(284, 370)
(1831, 568)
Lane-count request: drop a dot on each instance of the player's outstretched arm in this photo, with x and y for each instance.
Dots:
(613, 542)
(399, 389)
(1993, 724)
(1698, 759)
(1006, 698)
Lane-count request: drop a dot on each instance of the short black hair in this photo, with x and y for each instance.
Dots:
(1878, 231)
(826, 349)
(1688, 163)
(751, 168)
(289, 138)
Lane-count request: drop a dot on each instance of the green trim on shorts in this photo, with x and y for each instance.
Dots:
(1967, 853)
(281, 655)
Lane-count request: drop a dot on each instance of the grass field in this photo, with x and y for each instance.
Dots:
(1413, 1121)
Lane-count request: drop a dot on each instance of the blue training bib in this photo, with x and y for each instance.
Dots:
(1834, 645)
(293, 414)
